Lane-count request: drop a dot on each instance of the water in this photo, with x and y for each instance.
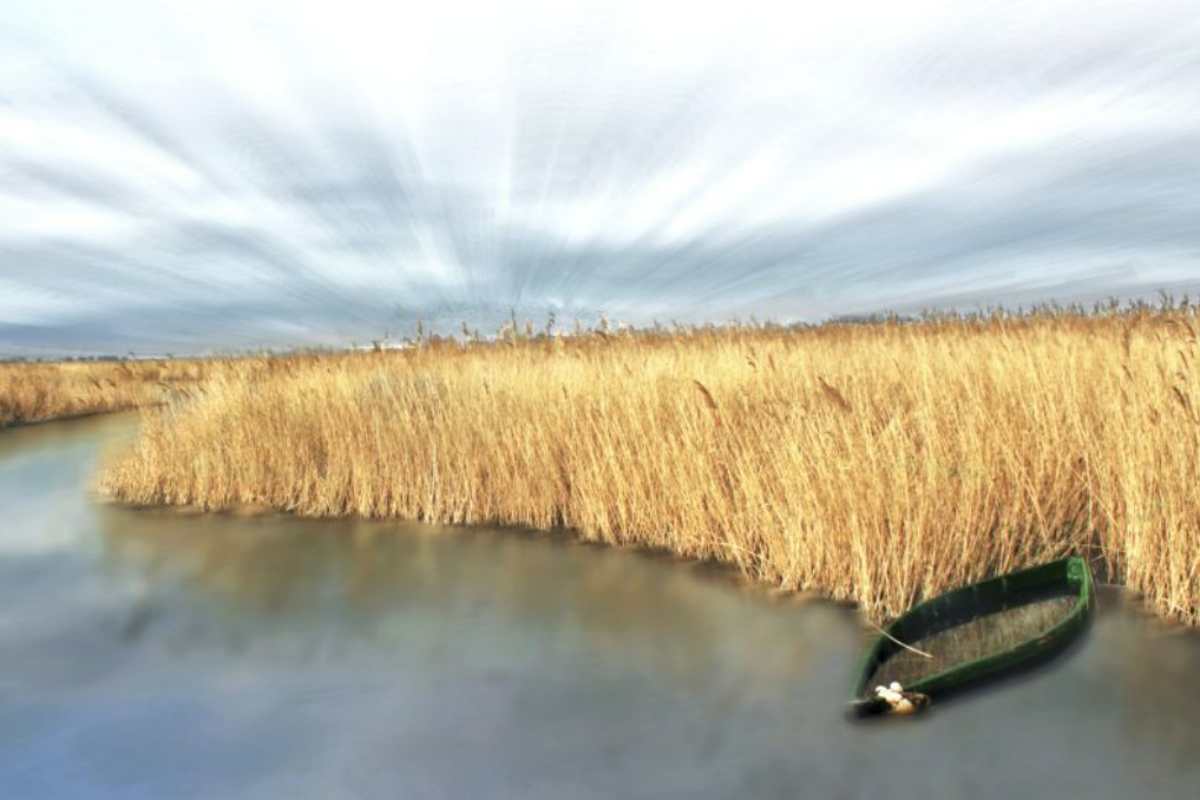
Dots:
(154, 655)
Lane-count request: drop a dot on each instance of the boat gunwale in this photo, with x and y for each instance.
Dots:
(1071, 571)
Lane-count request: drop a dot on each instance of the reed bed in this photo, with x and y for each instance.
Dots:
(878, 463)
(43, 391)
(37, 392)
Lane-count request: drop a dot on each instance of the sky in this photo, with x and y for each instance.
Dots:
(235, 175)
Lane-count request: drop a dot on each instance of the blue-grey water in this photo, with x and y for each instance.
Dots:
(158, 655)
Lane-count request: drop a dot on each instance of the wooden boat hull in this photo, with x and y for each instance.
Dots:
(1068, 576)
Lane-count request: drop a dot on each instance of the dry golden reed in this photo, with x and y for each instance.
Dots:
(878, 463)
(36, 392)
(42, 391)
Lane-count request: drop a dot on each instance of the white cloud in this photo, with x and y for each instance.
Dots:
(612, 155)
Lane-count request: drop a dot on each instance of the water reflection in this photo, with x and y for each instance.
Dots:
(345, 580)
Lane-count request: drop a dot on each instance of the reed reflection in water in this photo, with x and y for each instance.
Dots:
(275, 581)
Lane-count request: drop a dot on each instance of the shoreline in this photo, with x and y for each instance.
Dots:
(873, 464)
(33, 423)
(877, 464)
(570, 537)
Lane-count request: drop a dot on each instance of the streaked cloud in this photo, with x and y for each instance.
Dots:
(239, 175)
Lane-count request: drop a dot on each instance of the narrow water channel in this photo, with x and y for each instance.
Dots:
(153, 655)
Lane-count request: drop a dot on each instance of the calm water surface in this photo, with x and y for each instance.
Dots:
(155, 655)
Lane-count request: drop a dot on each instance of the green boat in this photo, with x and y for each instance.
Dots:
(974, 634)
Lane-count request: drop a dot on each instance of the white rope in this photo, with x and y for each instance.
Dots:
(908, 647)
